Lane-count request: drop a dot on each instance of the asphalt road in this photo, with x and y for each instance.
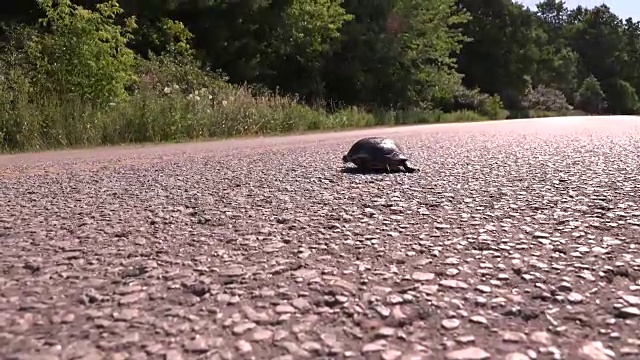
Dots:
(517, 240)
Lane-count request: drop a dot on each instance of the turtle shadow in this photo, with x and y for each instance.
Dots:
(359, 171)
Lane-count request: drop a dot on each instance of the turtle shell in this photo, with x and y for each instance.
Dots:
(374, 151)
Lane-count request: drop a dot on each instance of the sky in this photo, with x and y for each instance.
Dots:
(622, 8)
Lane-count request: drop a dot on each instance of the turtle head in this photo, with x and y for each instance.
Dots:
(345, 159)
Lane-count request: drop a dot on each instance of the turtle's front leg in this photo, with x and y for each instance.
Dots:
(408, 168)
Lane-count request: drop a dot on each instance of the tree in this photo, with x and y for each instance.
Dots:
(397, 54)
(590, 96)
(85, 52)
(596, 36)
(505, 48)
(621, 97)
(558, 66)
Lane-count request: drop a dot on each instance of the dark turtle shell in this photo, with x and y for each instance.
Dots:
(377, 153)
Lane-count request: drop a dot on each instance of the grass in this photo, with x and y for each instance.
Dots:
(32, 122)
(202, 107)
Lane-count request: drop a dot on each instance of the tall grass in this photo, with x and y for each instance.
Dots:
(161, 111)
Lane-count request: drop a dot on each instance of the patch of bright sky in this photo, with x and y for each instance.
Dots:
(623, 8)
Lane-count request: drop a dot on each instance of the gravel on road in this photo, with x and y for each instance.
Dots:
(517, 240)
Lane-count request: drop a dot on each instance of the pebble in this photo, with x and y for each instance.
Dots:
(280, 334)
(542, 338)
(470, 353)
(261, 334)
(198, 345)
(564, 287)
(629, 312)
(391, 354)
(450, 324)
(454, 284)
(311, 346)
(255, 316)
(386, 331)
(132, 298)
(629, 350)
(382, 310)
(243, 328)
(513, 336)
(173, 354)
(575, 298)
(516, 356)
(596, 351)
(243, 346)
(631, 300)
(376, 346)
(295, 350)
(452, 272)
(232, 271)
(284, 309)
(422, 276)
(126, 314)
(478, 319)
(301, 304)
(465, 339)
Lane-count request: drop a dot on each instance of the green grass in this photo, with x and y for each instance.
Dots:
(35, 122)
(156, 113)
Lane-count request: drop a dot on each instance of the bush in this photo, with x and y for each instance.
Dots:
(545, 99)
(489, 106)
(84, 53)
(590, 97)
(621, 97)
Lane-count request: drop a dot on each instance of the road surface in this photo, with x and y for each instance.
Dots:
(517, 240)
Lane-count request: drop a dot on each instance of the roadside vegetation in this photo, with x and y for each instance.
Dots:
(86, 73)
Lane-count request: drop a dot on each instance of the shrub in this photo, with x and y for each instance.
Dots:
(84, 53)
(590, 96)
(545, 99)
(489, 106)
(621, 97)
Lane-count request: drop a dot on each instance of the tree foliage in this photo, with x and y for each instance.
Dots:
(395, 54)
(86, 52)
(590, 96)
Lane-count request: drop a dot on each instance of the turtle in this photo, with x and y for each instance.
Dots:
(378, 153)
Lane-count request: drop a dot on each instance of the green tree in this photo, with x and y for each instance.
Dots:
(85, 53)
(280, 44)
(621, 97)
(558, 65)
(631, 67)
(309, 31)
(505, 50)
(398, 54)
(595, 34)
(590, 97)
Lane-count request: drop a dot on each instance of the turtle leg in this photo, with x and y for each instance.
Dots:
(362, 165)
(408, 168)
(394, 166)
